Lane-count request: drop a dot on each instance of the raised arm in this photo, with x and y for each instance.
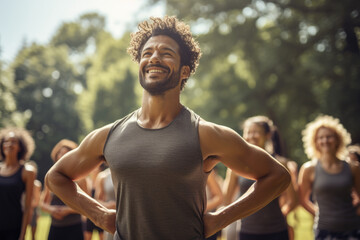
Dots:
(75, 165)
(221, 144)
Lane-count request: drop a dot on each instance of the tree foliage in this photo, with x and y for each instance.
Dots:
(45, 79)
(63, 90)
(289, 60)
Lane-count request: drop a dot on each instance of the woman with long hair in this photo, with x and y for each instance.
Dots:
(269, 222)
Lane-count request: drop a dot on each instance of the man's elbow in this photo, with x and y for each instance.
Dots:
(51, 179)
(283, 178)
(47, 180)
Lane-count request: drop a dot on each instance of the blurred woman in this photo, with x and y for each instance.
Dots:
(105, 193)
(65, 222)
(214, 196)
(269, 222)
(34, 202)
(90, 228)
(330, 179)
(16, 178)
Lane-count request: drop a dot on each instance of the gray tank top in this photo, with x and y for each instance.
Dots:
(332, 193)
(267, 220)
(158, 179)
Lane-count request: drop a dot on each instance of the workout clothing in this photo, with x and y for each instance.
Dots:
(159, 179)
(11, 213)
(267, 222)
(69, 228)
(70, 219)
(71, 232)
(332, 194)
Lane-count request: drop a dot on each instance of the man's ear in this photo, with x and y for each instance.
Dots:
(185, 72)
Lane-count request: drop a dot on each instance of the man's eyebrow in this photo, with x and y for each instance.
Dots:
(164, 48)
(169, 49)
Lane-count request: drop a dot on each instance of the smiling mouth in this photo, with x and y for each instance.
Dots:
(152, 68)
(155, 71)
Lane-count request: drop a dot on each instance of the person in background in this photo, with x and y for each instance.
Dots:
(160, 155)
(90, 227)
(269, 222)
(354, 153)
(35, 202)
(16, 178)
(354, 157)
(66, 223)
(214, 197)
(105, 194)
(330, 180)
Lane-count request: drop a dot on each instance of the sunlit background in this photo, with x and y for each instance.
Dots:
(64, 69)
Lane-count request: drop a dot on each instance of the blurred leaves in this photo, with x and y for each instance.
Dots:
(289, 60)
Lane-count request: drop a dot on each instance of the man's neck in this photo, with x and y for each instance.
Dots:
(160, 110)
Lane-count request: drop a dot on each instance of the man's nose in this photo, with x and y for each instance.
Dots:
(155, 57)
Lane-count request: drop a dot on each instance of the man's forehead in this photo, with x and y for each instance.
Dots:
(161, 41)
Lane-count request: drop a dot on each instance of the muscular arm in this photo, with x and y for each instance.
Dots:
(221, 144)
(306, 179)
(77, 164)
(28, 176)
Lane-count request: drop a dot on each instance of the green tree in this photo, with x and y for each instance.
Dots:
(78, 35)
(111, 91)
(289, 60)
(45, 80)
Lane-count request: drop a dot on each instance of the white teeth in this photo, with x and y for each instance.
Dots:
(155, 71)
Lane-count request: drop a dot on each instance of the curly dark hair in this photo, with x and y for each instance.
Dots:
(190, 52)
(26, 142)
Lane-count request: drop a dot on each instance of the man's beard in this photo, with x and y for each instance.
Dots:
(159, 87)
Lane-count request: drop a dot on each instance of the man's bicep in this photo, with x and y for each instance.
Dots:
(234, 152)
(79, 162)
(250, 161)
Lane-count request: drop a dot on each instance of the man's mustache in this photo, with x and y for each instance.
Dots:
(158, 66)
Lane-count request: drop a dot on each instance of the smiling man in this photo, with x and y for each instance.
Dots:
(160, 155)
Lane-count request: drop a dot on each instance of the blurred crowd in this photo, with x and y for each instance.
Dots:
(327, 186)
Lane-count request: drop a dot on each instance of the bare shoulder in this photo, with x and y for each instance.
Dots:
(309, 165)
(216, 139)
(307, 170)
(29, 172)
(95, 140)
(29, 169)
(213, 129)
(98, 135)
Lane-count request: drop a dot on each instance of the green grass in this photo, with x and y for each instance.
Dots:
(302, 222)
(43, 226)
(299, 219)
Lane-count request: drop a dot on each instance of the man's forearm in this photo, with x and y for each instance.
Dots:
(258, 196)
(73, 196)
